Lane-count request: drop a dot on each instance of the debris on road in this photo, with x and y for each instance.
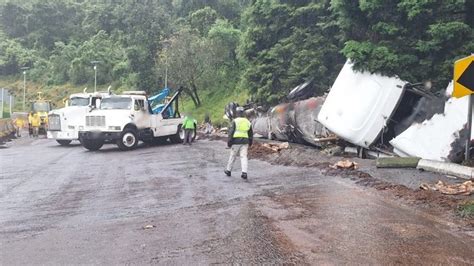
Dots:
(276, 146)
(344, 164)
(446, 168)
(395, 162)
(148, 226)
(465, 189)
(259, 149)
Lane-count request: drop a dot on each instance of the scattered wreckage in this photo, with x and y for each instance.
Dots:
(391, 115)
(371, 112)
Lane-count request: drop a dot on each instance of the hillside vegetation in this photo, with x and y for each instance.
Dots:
(220, 49)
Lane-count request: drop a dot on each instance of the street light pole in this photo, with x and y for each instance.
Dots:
(3, 96)
(11, 101)
(95, 78)
(166, 71)
(166, 44)
(24, 86)
(95, 74)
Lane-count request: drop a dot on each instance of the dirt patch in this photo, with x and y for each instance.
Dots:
(258, 151)
(214, 136)
(302, 157)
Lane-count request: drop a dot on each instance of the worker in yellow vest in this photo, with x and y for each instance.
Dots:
(18, 126)
(189, 126)
(35, 124)
(240, 139)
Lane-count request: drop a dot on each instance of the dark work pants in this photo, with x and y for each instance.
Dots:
(188, 136)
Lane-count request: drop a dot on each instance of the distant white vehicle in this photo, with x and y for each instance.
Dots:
(64, 123)
(126, 119)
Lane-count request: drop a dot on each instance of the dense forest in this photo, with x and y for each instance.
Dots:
(265, 47)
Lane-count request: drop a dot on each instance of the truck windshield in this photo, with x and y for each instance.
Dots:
(116, 103)
(41, 107)
(77, 101)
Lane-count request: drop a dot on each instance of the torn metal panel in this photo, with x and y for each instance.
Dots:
(294, 122)
(359, 105)
(440, 138)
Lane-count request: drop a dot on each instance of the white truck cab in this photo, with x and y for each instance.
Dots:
(127, 118)
(64, 123)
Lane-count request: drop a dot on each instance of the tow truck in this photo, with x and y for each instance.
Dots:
(128, 118)
(65, 123)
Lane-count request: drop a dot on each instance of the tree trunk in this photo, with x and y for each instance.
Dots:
(194, 88)
(190, 93)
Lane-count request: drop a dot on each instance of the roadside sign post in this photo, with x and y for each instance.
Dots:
(464, 86)
(469, 128)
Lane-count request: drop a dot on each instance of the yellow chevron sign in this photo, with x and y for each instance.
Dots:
(463, 77)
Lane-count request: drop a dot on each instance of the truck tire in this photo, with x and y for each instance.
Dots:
(63, 142)
(128, 140)
(179, 136)
(92, 145)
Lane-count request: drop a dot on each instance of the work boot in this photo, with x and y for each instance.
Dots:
(227, 172)
(244, 175)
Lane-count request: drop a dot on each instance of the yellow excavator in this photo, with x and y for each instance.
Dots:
(38, 117)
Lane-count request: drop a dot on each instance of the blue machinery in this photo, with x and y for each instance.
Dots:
(157, 102)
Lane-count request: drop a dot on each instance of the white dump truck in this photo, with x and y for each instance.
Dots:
(64, 123)
(128, 118)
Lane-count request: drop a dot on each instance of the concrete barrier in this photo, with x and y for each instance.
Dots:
(446, 168)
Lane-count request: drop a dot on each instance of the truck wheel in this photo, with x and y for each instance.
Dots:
(179, 136)
(92, 145)
(128, 140)
(64, 142)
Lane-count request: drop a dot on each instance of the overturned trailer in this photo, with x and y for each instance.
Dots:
(386, 113)
(294, 122)
(441, 137)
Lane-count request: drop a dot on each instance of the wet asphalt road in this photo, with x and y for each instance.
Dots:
(65, 205)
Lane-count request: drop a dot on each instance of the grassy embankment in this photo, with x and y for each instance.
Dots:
(214, 102)
(466, 210)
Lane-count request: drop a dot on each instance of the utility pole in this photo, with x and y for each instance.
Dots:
(11, 101)
(3, 96)
(166, 44)
(24, 87)
(95, 74)
(469, 128)
(166, 71)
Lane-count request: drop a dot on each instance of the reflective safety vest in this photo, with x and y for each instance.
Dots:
(188, 123)
(242, 127)
(35, 120)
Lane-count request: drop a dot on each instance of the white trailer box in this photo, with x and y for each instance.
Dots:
(359, 105)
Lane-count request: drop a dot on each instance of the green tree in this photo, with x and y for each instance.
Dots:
(189, 59)
(416, 40)
(286, 43)
(203, 19)
(13, 56)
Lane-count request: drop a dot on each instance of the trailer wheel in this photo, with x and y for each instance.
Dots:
(64, 142)
(92, 145)
(179, 136)
(128, 140)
